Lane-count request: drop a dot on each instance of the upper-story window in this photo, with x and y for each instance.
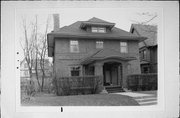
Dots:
(99, 44)
(144, 53)
(98, 29)
(123, 47)
(74, 46)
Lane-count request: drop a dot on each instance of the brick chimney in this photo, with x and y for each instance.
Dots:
(56, 21)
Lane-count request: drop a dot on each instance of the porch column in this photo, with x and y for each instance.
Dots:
(98, 71)
(82, 70)
(125, 73)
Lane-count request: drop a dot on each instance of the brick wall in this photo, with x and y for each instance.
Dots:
(63, 57)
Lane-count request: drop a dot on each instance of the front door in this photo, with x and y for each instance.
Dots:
(111, 74)
(114, 75)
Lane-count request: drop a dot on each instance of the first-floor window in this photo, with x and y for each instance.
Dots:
(123, 47)
(75, 71)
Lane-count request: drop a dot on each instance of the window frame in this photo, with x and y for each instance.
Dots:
(98, 29)
(74, 45)
(99, 44)
(75, 69)
(123, 48)
(144, 54)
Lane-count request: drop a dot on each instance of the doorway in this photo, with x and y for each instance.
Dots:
(112, 72)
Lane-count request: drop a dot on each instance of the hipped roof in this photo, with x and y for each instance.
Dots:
(75, 31)
(149, 31)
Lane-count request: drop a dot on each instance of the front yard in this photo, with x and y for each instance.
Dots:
(80, 100)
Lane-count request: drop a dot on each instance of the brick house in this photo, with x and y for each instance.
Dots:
(94, 47)
(148, 47)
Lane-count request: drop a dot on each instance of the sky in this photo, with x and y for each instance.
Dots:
(122, 17)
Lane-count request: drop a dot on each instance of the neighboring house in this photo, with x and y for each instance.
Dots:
(94, 47)
(148, 47)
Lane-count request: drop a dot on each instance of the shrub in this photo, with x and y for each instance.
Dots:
(77, 85)
(138, 82)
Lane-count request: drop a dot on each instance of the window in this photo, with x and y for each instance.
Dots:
(123, 47)
(75, 71)
(94, 29)
(74, 46)
(133, 30)
(99, 44)
(98, 29)
(145, 70)
(144, 54)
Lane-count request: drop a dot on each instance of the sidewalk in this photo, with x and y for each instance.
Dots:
(142, 98)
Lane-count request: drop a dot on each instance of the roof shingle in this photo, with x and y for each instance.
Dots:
(149, 31)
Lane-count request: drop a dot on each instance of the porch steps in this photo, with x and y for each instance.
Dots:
(114, 89)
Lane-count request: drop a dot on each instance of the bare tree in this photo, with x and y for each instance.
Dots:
(43, 53)
(28, 49)
(148, 19)
(35, 50)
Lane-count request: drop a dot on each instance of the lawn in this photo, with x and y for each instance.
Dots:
(81, 100)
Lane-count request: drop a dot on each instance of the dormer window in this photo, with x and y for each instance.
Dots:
(98, 29)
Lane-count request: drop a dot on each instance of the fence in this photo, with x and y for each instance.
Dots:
(77, 85)
(142, 82)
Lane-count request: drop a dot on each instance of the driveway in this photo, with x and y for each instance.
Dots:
(144, 98)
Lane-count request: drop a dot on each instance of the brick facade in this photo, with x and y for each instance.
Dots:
(92, 61)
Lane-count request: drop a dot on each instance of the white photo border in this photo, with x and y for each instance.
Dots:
(158, 110)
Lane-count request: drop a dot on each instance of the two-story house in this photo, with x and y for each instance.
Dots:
(94, 47)
(148, 47)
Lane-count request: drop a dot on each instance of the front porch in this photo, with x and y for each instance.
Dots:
(113, 72)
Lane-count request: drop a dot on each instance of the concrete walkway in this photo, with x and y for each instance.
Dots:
(142, 98)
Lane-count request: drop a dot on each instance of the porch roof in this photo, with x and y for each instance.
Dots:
(106, 54)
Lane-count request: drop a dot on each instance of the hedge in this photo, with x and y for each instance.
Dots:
(138, 82)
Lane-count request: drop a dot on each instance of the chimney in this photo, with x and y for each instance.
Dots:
(56, 21)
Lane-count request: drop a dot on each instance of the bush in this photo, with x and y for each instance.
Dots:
(143, 82)
(77, 85)
(27, 89)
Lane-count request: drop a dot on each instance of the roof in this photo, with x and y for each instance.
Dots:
(106, 54)
(149, 31)
(75, 31)
(94, 19)
(97, 22)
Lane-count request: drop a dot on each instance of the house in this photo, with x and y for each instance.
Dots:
(94, 47)
(148, 47)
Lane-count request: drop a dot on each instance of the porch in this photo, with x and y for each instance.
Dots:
(111, 65)
(113, 72)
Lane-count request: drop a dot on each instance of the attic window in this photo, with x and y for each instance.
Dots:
(98, 29)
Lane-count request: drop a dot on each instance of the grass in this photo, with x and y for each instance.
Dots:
(81, 100)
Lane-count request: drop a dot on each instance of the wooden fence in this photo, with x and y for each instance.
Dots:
(138, 82)
(77, 85)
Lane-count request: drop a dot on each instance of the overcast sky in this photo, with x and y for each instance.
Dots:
(122, 17)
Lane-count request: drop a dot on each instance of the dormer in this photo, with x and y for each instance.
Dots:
(96, 25)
